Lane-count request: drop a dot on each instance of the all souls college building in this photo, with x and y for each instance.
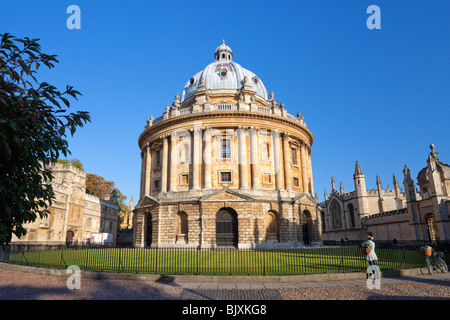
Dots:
(226, 165)
(400, 214)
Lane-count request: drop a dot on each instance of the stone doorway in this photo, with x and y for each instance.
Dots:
(226, 227)
(306, 223)
(69, 237)
(149, 230)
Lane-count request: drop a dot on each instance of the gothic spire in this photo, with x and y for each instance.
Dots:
(357, 169)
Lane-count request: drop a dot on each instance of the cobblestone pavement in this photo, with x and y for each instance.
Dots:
(19, 285)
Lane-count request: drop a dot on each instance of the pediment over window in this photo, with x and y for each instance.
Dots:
(305, 198)
(147, 201)
(156, 146)
(227, 195)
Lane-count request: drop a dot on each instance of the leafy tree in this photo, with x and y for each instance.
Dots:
(119, 199)
(98, 186)
(33, 124)
(75, 162)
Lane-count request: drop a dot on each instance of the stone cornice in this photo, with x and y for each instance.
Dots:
(220, 115)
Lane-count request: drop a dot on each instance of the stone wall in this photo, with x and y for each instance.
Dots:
(251, 222)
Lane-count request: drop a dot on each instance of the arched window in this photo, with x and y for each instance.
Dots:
(351, 212)
(336, 215)
(322, 219)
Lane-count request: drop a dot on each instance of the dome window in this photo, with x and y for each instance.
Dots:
(255, 80)
(223, 73)
(191, 81)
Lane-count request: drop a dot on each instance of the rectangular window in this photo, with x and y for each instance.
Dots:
(158, 159)
(265, 151)
(267, 178)
(184, 179)
(294, 156)
(184, 153)
(225, 176)
(226, 149)
(295, 182)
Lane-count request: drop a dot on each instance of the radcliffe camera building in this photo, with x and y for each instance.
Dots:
(226, 165)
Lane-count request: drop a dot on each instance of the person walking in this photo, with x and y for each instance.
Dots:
(369, 250)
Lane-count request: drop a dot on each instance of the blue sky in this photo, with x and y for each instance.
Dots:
(377, 96)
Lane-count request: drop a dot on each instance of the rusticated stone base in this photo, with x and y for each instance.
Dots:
(286, 216)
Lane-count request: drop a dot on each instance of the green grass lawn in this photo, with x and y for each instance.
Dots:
(236, 262)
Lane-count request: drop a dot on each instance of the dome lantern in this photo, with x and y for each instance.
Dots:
(223, 73)
(223, 52)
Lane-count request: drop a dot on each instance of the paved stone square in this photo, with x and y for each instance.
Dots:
(20, 285)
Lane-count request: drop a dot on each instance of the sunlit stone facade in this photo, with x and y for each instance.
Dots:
(74, 215)
(226, 165)
(419, 212)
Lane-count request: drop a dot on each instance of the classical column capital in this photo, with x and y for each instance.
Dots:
(196, 130)
(164, 136)
(254, 130)
(285, 135)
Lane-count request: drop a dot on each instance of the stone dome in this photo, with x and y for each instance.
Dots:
(224, 73)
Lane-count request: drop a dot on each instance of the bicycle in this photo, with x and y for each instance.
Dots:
(433, 260)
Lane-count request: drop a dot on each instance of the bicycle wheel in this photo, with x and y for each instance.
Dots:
(429, 266)
(442, 265)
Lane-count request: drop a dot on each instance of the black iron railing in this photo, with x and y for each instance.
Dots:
(218, 261)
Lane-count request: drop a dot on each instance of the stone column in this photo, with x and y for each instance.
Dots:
(310, 175)
(242, 158)
(287, 162)
(148, 169)
(254, 159)
(207, 159)
(304, 168)
(277, 160)
(142, 191)
(196, 158)
(165, 160)
(174, 160)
